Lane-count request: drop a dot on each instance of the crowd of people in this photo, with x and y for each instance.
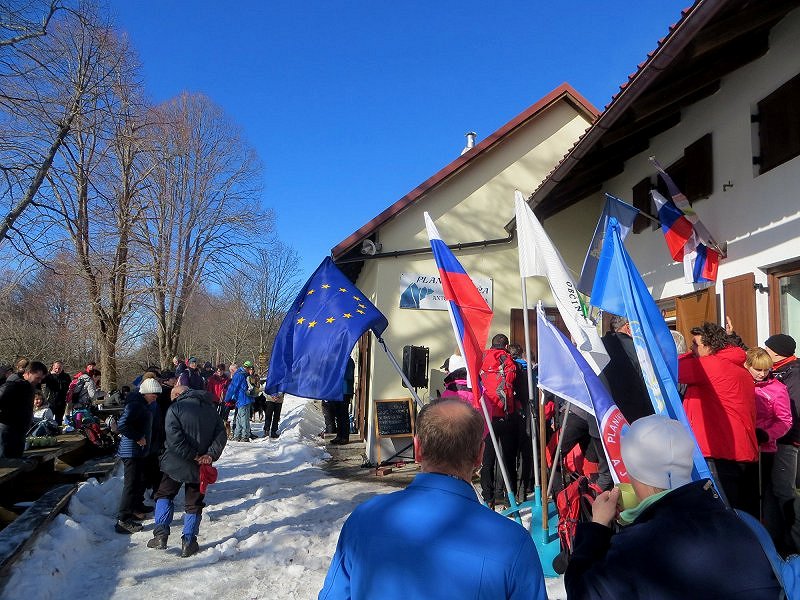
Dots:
(171, 426)
(743, 407)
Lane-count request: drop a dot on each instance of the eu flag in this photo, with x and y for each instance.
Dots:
(318, 333)
(619, 289)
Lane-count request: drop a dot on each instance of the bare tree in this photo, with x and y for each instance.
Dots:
(21, 21)
(277, 267)
(98, 180)
(202, 212)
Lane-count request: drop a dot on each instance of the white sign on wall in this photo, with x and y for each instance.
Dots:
(425, 292)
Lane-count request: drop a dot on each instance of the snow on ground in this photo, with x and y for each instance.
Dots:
(269, 530)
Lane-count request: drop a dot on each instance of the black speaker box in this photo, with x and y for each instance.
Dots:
(415, 365)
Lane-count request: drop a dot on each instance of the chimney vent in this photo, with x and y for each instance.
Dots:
(470, 142)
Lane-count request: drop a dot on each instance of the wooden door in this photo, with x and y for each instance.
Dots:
(740, 306)
(518, 327)
(362, 385)
(693, 310)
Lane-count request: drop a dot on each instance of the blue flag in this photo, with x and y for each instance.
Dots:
(318, 333)
(619, 289)
(564, 372)
(625, 214)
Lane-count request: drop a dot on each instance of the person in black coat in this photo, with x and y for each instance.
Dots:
(55, 385)
(681, 541)
(195, 436)
(16, 408)
(623, 374)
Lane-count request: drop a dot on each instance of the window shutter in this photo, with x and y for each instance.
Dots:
(779, 125)
(641, 200)
(699, 169)
(740, 306)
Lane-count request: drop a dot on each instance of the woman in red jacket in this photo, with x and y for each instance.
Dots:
(720, 405)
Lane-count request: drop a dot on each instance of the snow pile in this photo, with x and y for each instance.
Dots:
(269, 530)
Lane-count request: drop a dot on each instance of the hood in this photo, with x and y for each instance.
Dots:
(732, 354)
(198, 395)
(134, 397)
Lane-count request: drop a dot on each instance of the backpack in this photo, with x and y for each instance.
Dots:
(95, 434)
(574, 505)
(75, 388)
(498, 372)
(787, 571)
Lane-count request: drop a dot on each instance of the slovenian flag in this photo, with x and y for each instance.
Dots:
(678, 230)
(564, 372)
(470, 316)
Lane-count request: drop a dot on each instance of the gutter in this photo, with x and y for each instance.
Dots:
(398, 253)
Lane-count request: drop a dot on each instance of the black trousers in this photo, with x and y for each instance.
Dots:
(577, 431)
(342, 414)
(272, 415)
(132, 488)
(193, 499)
(506, 429)
(739, 482)
(152, 472)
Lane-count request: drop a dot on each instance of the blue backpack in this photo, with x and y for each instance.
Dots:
(786, 571)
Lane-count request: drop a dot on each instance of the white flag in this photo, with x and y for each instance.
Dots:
(538, 257)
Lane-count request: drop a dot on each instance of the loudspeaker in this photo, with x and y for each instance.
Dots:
(415, 365)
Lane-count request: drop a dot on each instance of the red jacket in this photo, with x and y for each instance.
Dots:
(498, 371)
(720, 404)
(216, 386)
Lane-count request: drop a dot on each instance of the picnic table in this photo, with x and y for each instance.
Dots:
(66, 446)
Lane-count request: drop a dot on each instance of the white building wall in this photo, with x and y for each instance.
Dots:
(759, 217)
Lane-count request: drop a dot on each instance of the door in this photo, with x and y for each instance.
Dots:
(692, 310)
(362, 384)
(518, 327)
(740, 306)
(784, 300)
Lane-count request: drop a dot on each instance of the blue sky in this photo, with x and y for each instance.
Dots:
(352, 104)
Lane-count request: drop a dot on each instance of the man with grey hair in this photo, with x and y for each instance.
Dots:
(449, 544)
(623, 374)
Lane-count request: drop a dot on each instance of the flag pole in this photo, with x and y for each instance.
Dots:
(512, 501)
(534, 433)
(557, 454)
(397, 367)
(543, 464)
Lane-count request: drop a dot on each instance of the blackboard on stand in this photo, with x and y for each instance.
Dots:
(393, 418)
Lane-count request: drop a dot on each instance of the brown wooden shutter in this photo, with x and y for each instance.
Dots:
(518, 327)
(699, 162)
(693, 310)
(641, 200)
(740, 306)
(779, 125)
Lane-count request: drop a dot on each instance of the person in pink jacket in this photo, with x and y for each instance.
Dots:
(773, 412)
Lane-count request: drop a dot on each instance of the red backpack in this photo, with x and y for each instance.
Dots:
(74, 389)
(498, 372)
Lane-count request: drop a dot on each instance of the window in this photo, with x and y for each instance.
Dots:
(784, 297)
(778, 120)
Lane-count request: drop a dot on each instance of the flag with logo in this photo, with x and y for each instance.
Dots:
(625, 214)
(470, 315)
(319, 331)
(538, 257)
(620, 290)
(564, 372)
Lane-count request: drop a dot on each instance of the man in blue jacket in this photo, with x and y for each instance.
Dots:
(435, 539)
(237, 392)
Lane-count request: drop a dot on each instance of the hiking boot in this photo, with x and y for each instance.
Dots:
(245, 439)
(159, 542)
(237, 439)
(189, 546)
(127, 527)
(139, 516)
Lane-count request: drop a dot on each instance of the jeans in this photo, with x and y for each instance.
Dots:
(241, 424)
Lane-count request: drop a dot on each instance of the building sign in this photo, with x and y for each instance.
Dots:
(425, 291)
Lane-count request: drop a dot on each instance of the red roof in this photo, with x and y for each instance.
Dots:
(563, 92)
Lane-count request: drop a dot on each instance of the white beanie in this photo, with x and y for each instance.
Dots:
(150, 386)
(658, 451)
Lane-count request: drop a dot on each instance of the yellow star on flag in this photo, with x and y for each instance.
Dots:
(347, 315)
(330, 320)
(361, 306)
(325, 286)
(301, 320)
(311, 324)
(356, 298)
(361, 311)
(342, 290)
(310, 292)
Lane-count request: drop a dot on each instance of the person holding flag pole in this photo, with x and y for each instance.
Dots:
(470, 317)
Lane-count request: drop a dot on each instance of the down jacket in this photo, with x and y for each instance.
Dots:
(193, 428)
(135, 423)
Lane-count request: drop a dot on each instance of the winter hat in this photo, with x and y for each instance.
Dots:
(247, 364)
(781, 344)
(192, 359)
(150, 386)
(208, 475)
(658, 451)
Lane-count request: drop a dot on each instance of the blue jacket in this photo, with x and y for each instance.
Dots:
(237, 390)
(135, 423)
(433, 540)
(685, 545)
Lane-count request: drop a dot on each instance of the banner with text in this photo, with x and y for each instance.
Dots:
(425, 291)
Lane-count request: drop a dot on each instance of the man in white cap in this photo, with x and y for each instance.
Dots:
(680, 541)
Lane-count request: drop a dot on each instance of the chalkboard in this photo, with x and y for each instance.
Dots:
(394, 417)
